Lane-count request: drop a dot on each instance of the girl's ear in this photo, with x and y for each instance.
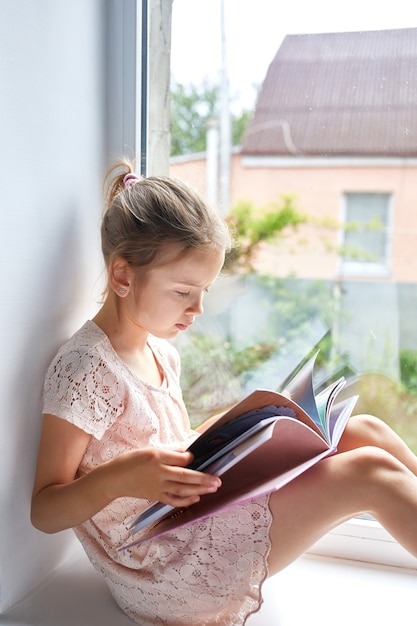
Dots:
(120, 277)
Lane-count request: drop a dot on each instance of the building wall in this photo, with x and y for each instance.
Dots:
(311, 250)
(192, 170)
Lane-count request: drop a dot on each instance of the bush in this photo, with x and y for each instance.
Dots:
(408, 370)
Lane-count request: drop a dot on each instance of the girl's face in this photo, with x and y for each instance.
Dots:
(171, 296)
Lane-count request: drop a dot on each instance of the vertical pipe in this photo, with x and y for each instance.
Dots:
(144, 90)
(212, 162)
(224, 124)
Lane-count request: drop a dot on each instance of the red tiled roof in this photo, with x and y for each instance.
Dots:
(339, 94)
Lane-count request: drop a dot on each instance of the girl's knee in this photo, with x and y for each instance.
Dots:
(365, 423)
(365, 430)
(374, 463)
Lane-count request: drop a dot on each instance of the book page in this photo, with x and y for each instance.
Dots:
(259, 399)
(302, 392)
(339, 416)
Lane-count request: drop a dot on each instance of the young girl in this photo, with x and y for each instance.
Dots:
(115, 430)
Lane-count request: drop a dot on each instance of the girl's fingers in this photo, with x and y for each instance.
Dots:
(181, 502)
(158, 474)
(179, 474)
(188, 489)
(172, 457)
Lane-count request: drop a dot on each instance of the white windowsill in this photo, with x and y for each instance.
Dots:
(366, 541)
(318, 591)
(315, 590)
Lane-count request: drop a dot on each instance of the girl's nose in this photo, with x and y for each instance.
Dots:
(197, 305)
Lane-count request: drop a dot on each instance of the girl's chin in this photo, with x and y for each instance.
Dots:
(167, 334)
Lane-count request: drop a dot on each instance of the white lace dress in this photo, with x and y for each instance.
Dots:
(209, 572)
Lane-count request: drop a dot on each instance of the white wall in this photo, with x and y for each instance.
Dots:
(52, 120)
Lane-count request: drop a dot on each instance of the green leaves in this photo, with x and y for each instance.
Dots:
(252, 225)
(193, 109)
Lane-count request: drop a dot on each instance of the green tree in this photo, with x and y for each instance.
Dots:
(192, 109)
(251, 225)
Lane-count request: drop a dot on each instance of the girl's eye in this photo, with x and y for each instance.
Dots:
(183, 294)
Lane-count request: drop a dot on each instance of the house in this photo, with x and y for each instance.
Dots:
(335, 127)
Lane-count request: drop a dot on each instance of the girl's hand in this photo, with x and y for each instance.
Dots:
(157, 474)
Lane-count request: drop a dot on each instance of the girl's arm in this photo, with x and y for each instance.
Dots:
(60, 500)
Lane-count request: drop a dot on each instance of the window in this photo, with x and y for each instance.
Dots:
(365, 243)
(325, 110)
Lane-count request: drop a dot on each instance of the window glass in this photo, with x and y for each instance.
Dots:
(298, 124)
(366, 233)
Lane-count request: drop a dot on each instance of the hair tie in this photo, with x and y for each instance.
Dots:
(130, 179)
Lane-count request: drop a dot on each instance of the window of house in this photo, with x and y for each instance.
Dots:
(366, 234)
(280, 113)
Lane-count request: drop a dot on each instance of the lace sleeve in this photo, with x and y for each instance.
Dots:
(81, 388)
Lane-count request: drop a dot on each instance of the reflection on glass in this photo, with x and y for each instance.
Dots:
(322, 186)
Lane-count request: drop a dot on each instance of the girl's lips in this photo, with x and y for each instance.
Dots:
(182, 326)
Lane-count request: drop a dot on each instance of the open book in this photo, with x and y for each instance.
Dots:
(259, 445)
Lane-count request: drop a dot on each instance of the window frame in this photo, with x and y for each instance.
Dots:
(126, 85)
(367, 269)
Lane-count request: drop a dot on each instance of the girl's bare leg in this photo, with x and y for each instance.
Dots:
(367, 430)
(365, 479)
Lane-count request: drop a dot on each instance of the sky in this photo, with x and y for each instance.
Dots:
(255, 29)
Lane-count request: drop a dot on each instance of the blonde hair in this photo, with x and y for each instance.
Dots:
(141, 218)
